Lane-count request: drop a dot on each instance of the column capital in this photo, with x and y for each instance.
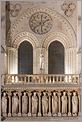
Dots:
(9, 93)
(69, 93)
(39, 93)
(29, 93)
(19, 93)
(49, 93)
(59, 93)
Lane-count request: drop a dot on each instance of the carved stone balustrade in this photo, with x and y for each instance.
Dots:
(21, 88)
(40, 79)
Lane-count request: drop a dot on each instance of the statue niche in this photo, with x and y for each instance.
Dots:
(54, 104)
(15, 103)
(24, 104)
(34, 104)
(74, 104)
(44, 104)
(4, 104)
(64, 104)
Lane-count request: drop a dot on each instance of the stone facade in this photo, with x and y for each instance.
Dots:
(58, 20)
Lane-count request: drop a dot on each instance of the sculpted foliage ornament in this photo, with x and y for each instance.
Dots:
(14, 9)
(68, 8)
(40, 22)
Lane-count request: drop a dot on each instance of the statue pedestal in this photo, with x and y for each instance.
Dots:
(59, 114)
(64, 114)
(49, 114)
(74, 114)
(69, 114)
(5, 114)
(54, 114)
(23, 114)
(9, 114)
(29, 114)
(19, 114)
(39, 114)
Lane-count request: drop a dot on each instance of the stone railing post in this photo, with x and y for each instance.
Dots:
(9, 96)
(49, 113)
(39, 95)
(59, 104)
(19, 94)
(69, 104)
(29, 94)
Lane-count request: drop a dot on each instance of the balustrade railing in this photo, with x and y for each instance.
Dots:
(40, 78)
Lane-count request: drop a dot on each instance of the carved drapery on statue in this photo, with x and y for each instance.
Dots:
(15, 103)
(4, 104)
(74, 103)
(52, 103)
(34, 104)
(44, 104)
(64, 103)
(24, 103)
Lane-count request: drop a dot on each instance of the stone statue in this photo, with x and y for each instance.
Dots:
(54, 104)
(4, 104)
(74, 103)
(24, 103)
(41, 62)
(34, 104)
(64, 103)
(15, 103)
(44, 104)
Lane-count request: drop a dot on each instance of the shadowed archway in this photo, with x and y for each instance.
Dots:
(25, 58)
(56, 58)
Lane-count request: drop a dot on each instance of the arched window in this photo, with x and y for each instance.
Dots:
(25, 58)
(56, 58)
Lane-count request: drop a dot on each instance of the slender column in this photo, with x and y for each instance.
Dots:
(39, 113)
(9, 96)
(49, 113)
(19, 114)
(50, 79)
(53, 79)
(79, 112)
(59, 112)
(69, 107)
(29, 94)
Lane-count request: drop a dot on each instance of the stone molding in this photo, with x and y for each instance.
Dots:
(25, 36)
(55, 15)
(57, 36)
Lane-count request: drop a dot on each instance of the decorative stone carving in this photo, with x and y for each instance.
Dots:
(68, 8)
(24, 104)
(14, 104)
(4, 104)
(54, 104)
(40, 22)
(14, 9)
(44, 104)
(34, 104)
(64, 103)
(67, 27)
(41, 62)
(25, 35)
(74, 104)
